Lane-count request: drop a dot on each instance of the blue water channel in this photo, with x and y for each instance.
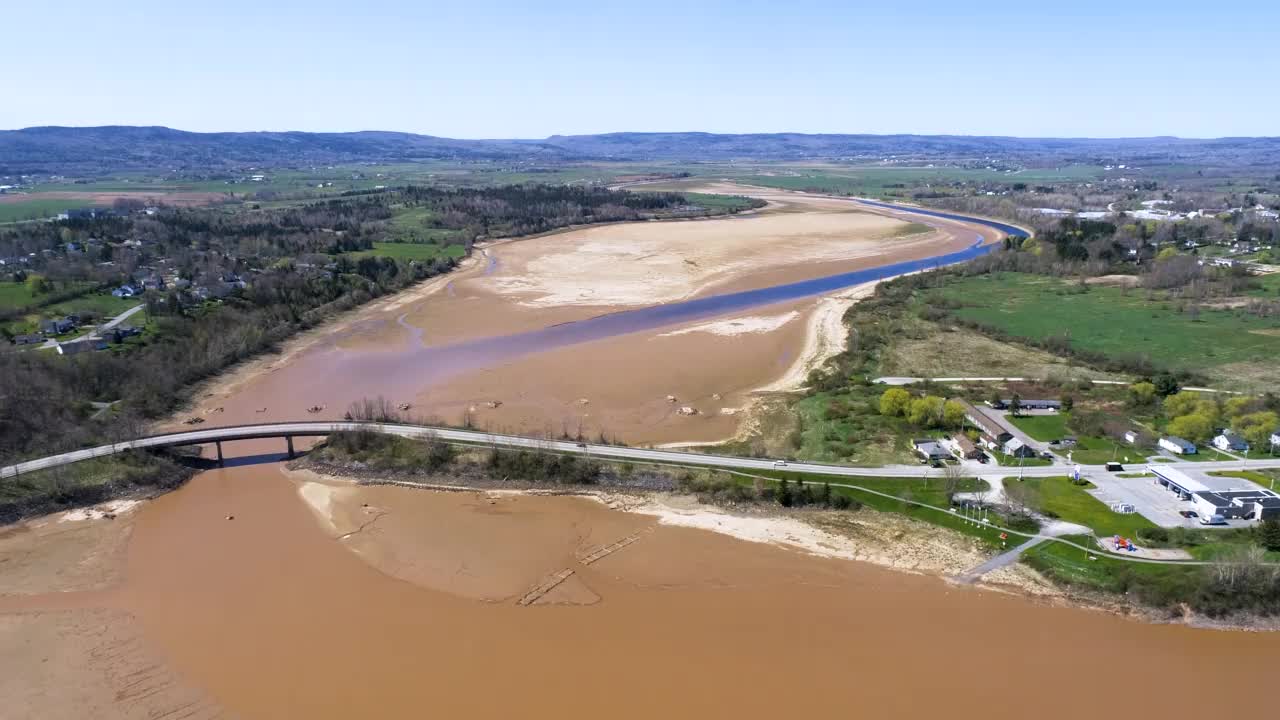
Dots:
(657, 316)
(426, 363)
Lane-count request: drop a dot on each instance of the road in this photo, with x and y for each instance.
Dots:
(677, 457)
(1007, 557)
(906, 380)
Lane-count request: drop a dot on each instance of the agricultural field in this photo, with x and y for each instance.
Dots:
(898, 181)
(34, 207)
(1119, 324)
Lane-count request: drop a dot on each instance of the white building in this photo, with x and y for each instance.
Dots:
(1177, 445)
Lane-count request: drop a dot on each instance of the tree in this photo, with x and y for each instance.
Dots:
(1167, 253)
(1196, 428)
(1142, 394)
(953, 413)
(824, 495)
(1068, 402)
(925, 411)
(1015, 405)
(1183, 403)
(894, 402)
(1270, 534)
(1257, 427)
(1166, 385)
(785, 498)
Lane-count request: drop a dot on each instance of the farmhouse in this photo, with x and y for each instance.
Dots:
(1177, 445)
(1227, 440)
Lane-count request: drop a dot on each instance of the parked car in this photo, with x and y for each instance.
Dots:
(1188, 513)
(1114, 467)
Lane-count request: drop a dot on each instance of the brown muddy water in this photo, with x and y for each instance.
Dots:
(272, 617)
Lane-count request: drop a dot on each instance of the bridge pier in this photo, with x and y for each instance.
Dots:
(288, 439)
(219, 446)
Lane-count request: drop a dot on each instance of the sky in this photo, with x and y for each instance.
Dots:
(534, 68)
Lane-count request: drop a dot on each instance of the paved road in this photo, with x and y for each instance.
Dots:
(299, 429)
(1007, 557)
(906, 380)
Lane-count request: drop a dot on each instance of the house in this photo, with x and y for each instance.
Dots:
(1177, 445)
(1275, 437)
(27, 339)
(1131, 437)
(1231, 442)
(1026, 404)
(1014, 447)
(120, 332)
(964, 448)
(930, 450)
(125, 291)
(81, 346)
(57, 326)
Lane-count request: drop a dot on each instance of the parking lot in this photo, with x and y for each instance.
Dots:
(1156, 503)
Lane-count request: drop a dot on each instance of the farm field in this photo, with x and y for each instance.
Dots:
(34, 207)
(1105, 320)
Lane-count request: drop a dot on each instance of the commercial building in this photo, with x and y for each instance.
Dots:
(1216, 506)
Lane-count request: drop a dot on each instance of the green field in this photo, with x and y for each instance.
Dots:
(1059, 497)
(899, 181)
(1088, 450)
(412, 251)
(37, 208)
(15, 295)
(1105, 320)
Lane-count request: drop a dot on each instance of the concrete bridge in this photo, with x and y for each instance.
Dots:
(288, 430)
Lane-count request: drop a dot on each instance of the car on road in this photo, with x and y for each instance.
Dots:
(1188, 513)
(779, 463)
(1114, 467)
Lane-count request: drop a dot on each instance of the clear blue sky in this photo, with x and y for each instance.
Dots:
(481, 68)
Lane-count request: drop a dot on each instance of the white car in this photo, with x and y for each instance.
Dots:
(779, 463)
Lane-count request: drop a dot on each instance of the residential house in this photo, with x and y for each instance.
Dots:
(57, 326)
(1014, 447)
(1177, 445)
(120, 332)
(1275, 438)
(27, 339)
(125, 291)
(964, 448)
(930, 450)
(81, 346)
(1231, 442)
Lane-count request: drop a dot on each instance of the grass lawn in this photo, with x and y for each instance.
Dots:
(1108, 321)
(929, 491)
(104, 305)
(412, 251)
(1044, 428)
(1265, 478)
(15, 295)
(1058, 496)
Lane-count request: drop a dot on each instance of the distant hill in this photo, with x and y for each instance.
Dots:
(114, 148)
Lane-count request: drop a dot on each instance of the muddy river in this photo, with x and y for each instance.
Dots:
(251, 594)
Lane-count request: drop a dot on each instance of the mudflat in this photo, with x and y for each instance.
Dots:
(493, 343)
